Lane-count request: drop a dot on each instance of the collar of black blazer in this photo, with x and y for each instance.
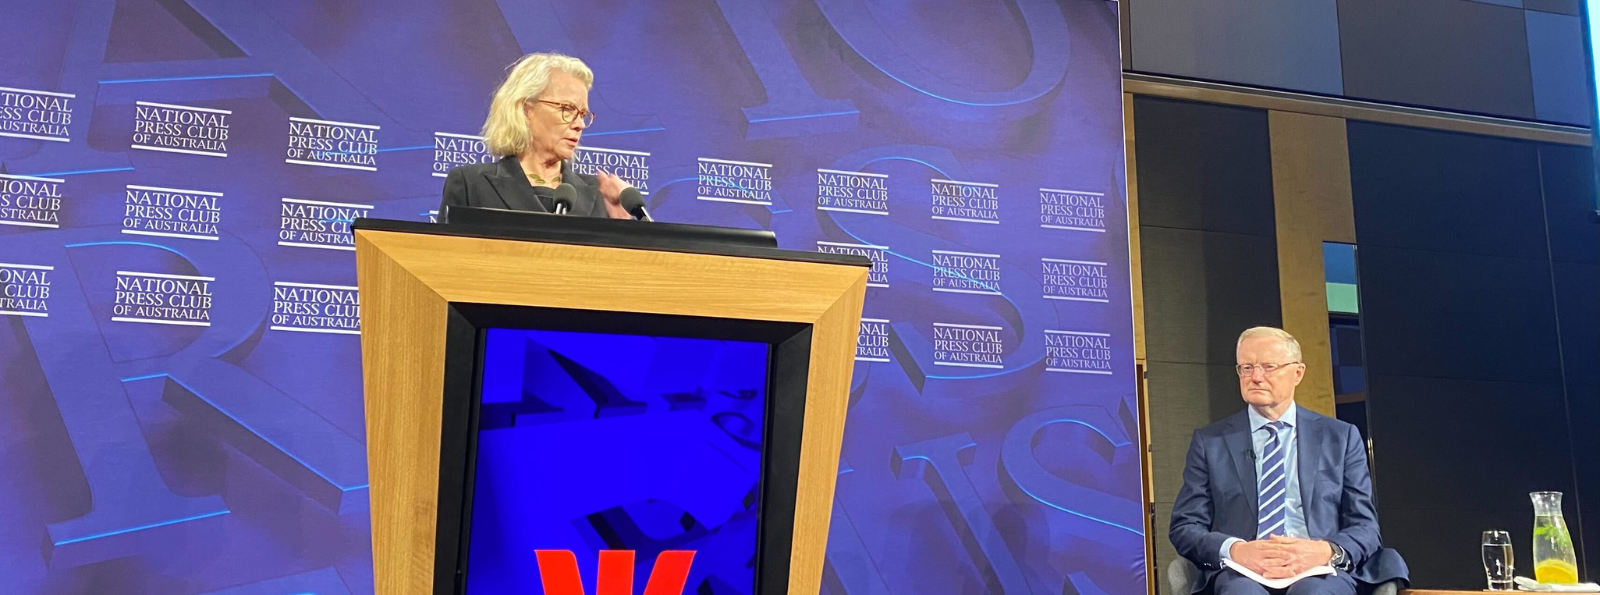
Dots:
(511, 183)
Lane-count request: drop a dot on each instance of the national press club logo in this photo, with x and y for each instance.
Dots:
(852, 192)
(966, 272)
(1075, 280)
(966, 202)
(455, 150)
(318, 223)
(171, 212)
(180, 129)
(35, 115)
(878, 255)
(25, 289)
(632, 166)
(1077, 352)
(872, 343)
(315, 308)
(30, 201)
(1072, 210)
(162, 298)
(968, 346)
(326, 143)
(746, 182)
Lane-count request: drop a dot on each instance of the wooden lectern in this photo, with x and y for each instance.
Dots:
(429, 290)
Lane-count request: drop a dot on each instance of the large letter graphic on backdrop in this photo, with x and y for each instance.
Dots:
(538, 29)
(323, 581)
(1047, 29)
(263, 423)
(132, 507)
(793, 108)
(271, 52)
(1109, 519)
(308, 77)
(962, 505)
(80, 74)
(270, 427)
(848, 558)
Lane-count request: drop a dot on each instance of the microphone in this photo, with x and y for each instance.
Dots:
(1250, 454)
(565, 196)
(633, 203)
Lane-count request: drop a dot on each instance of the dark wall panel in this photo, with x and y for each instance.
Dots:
(1452, 315)
(1570, 197)
(1202, 288)
(1481, 348)
(1468, 444)
(1557, 65)
(1443, 546)
(1445, 191)
(1287, 45)
(1465, 56)
(1578, 305)
(1204, 167)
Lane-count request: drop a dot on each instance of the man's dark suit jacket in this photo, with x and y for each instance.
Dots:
(1219, 497)
(503, 185)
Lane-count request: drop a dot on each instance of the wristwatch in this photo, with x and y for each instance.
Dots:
(1340, 561)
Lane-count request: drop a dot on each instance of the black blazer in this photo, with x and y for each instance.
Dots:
(503, 185)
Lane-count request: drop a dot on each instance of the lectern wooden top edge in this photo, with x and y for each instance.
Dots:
(415, 277)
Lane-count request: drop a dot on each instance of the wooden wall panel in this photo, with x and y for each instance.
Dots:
(1312, 202)
(1140, 361)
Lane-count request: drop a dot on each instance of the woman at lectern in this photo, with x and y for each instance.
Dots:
(536, 119)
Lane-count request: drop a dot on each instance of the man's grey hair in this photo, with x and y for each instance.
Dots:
(1276, 333)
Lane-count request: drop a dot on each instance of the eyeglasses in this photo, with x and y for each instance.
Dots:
(569, 112)
(1248, 370)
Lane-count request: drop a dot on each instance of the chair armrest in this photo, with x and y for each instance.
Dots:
(1182, 574)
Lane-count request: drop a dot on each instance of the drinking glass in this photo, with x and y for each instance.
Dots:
(1498, 561)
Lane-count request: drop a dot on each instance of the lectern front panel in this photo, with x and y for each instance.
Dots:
(591, 441)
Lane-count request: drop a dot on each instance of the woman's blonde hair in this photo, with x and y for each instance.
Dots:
(505, 131)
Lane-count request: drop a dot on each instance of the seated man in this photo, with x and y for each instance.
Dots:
(1278, 489)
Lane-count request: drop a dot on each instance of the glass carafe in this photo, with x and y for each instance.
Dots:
(1553, 559)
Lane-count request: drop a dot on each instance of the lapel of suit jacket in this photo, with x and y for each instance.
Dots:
(1237, 438)
(512, 185)
(1308, 438)
(582, 186)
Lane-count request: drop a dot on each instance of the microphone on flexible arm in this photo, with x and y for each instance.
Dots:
(566, 195)
(633, 203)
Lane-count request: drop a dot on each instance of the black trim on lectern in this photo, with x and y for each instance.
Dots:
(619, 233)
(463, 375)
(556, 224)
(788, 365)
(786, 415)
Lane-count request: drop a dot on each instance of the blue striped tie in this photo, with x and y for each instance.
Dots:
(1274, 484)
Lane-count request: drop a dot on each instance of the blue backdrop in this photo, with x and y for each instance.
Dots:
(179, 367)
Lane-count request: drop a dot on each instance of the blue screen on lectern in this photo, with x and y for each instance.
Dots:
(591, 442)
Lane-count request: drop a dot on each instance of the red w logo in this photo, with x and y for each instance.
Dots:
(558, 570)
